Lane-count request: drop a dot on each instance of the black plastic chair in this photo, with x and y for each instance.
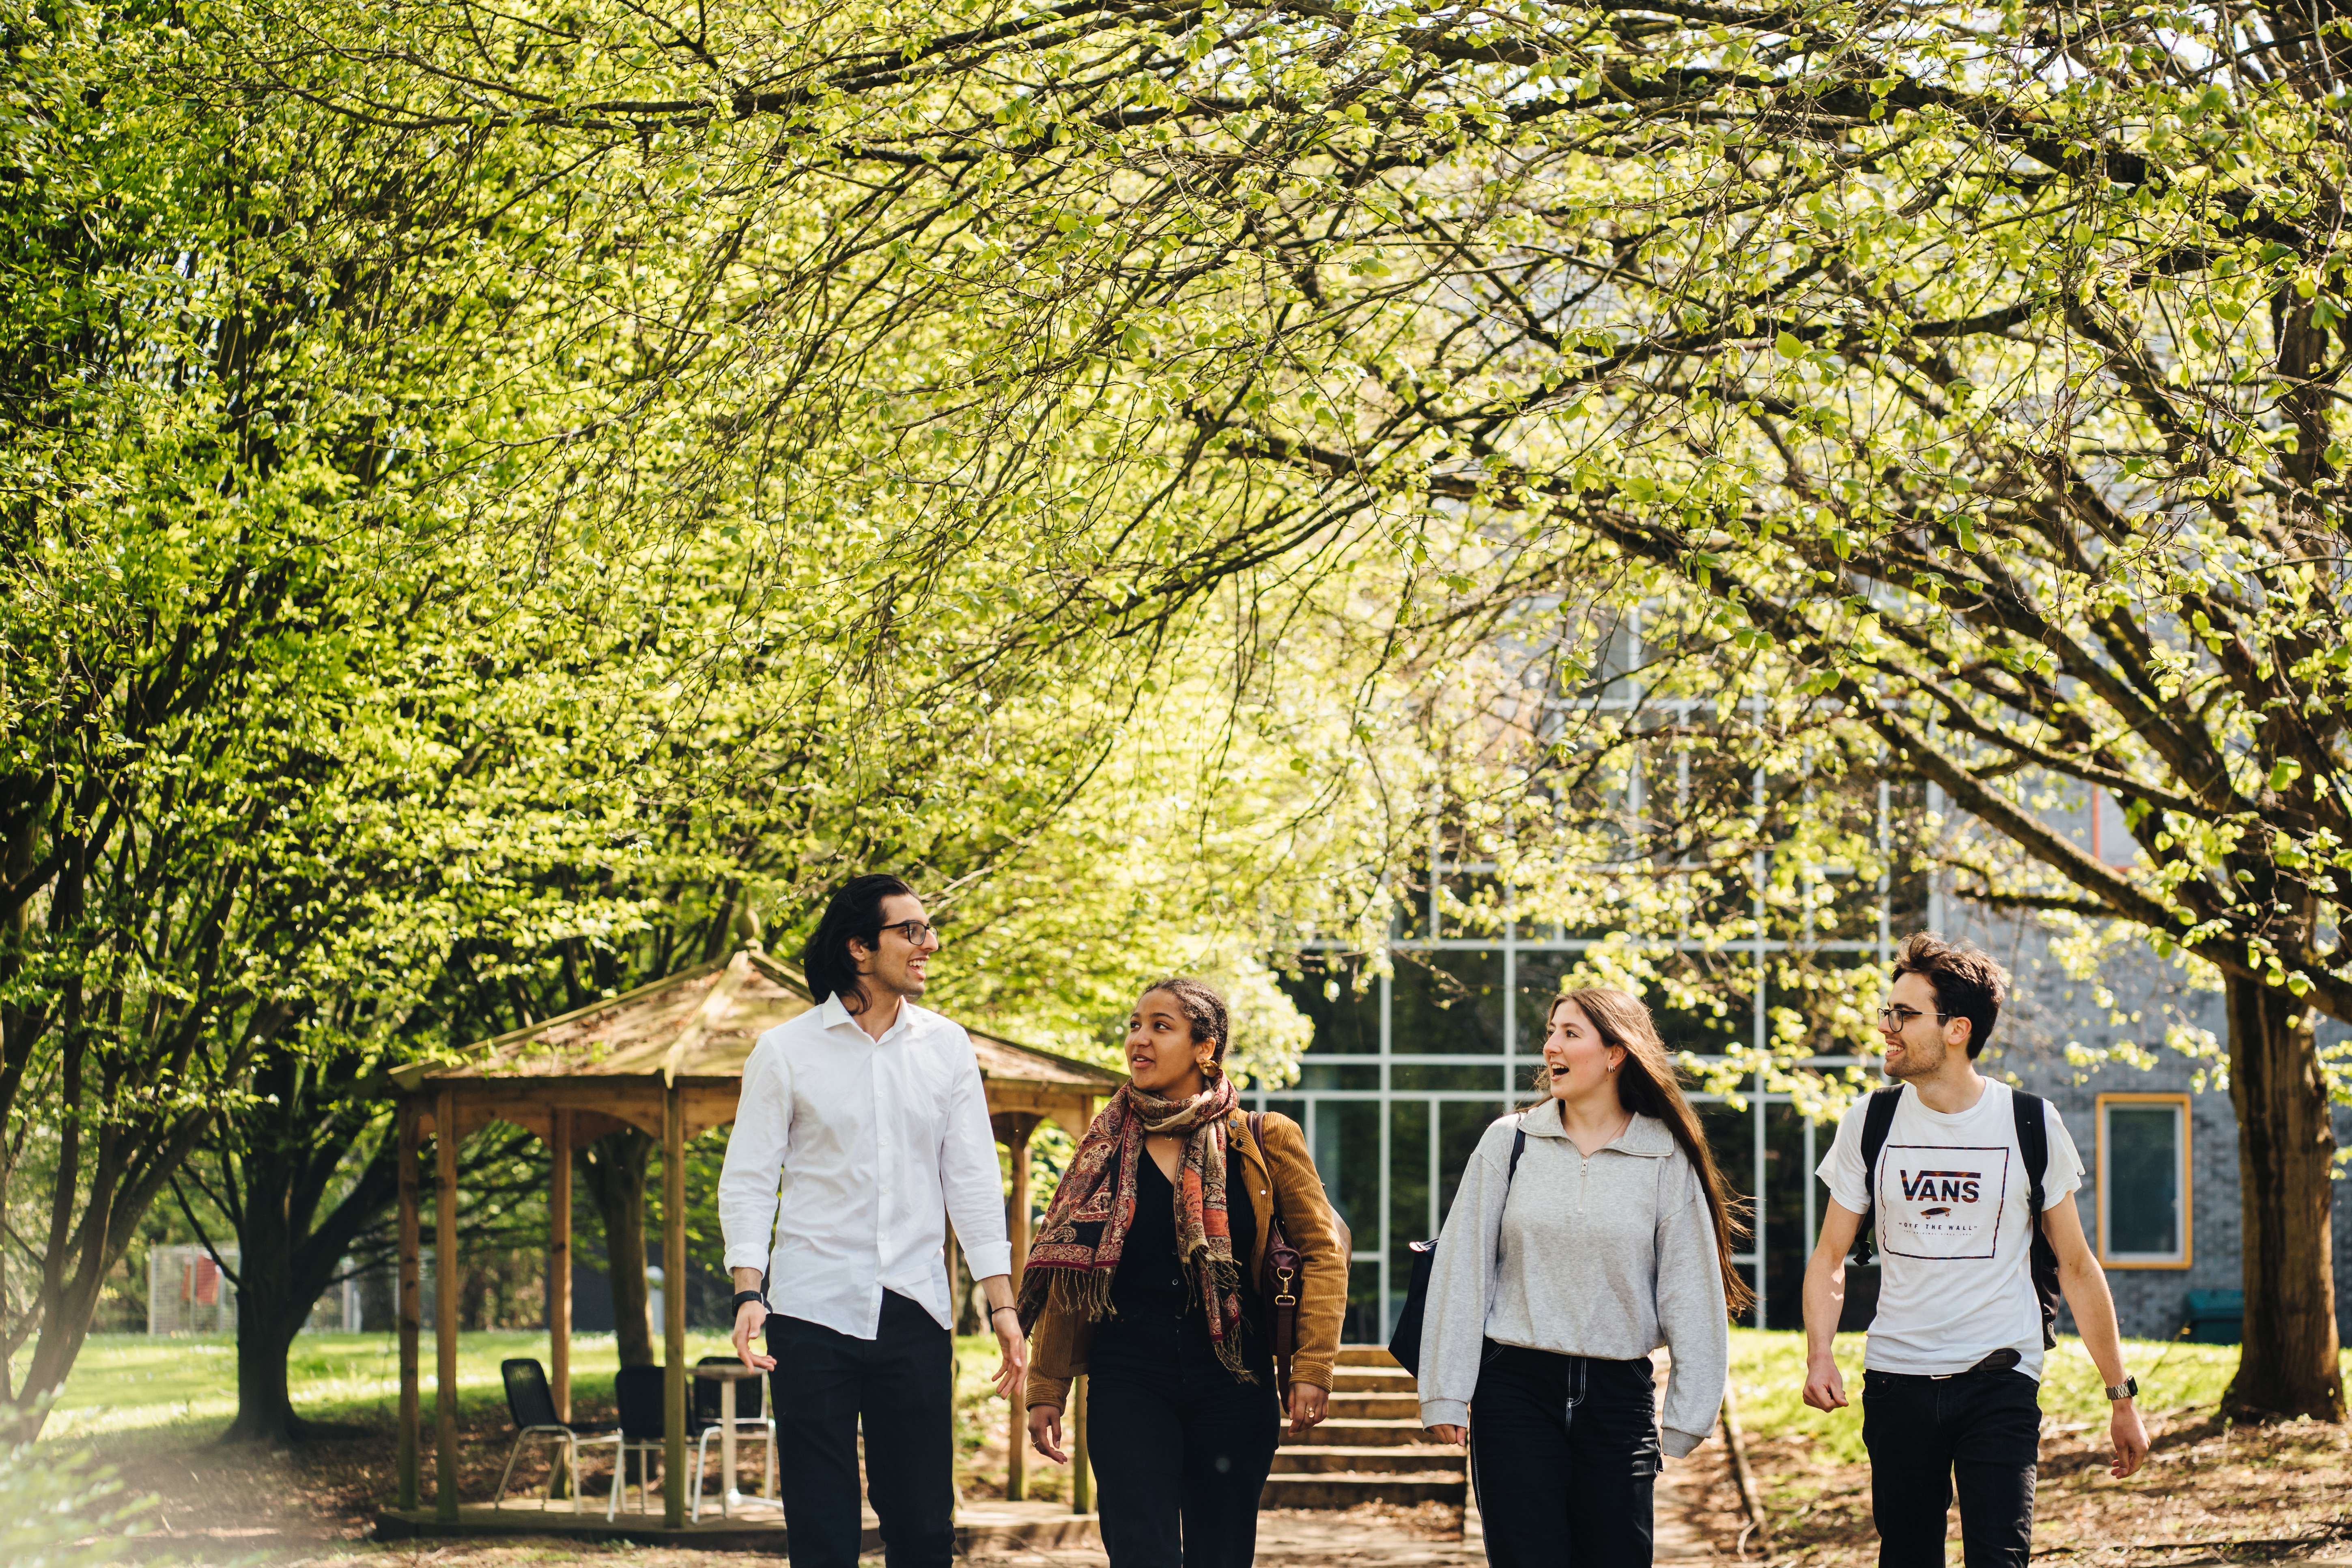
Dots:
(533, 1410)
(644, 1429)
(750, 1421)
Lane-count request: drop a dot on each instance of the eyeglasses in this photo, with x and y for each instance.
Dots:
(917, 932)
(1894, 1020)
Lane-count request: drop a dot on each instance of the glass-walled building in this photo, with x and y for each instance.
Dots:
(1405, 1076)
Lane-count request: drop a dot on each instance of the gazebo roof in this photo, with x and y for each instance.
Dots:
(694, 1030)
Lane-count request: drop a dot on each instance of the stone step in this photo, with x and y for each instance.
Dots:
(1326, 1458)
(1352, 1488)
(1366, 1355)
(1365, 1435)
(1374, 1406)
(1372, 1380)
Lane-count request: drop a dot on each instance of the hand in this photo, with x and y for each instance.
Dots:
(1454, 1435)
(1308, 1406)
(2130, 1438)
(1824, 1386)
(1014, 1371)
(1045, 1431)
(749, 1319)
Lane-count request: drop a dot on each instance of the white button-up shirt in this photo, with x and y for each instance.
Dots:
(876, 1145)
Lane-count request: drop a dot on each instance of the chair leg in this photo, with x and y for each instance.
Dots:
(500, 1501)
(620, 1480)
(701, 1463)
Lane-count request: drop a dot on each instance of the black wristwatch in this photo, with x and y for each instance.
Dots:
(742, 1297)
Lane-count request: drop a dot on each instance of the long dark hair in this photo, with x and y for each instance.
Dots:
(854, 912)
(1645, 1082)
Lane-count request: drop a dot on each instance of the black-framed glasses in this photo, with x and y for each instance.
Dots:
(1895, 1019)
(917, 932)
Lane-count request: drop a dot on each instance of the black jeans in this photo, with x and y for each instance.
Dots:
(1983, 1428)
(901, 1381)
(1181, 1449)
(1564, 1453)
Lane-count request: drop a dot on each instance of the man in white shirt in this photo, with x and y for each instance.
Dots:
(1952, 1373)
(870, 1113)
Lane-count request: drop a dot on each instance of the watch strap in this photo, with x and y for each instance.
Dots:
(2128, 1389)
(743, 1298)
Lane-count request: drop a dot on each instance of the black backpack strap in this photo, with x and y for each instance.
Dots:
(1519, 1147)
(1877, 1121)
(2033, 1141)
(2030, 1113)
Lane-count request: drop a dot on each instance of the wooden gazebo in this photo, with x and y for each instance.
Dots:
(667, 1058)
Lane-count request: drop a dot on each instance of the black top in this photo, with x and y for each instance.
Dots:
(1151, 1278)
(1154, 1308)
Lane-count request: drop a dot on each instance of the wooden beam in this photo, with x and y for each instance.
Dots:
(558, 1272)
(1016, 1227)
(674, 1480)
(409, 1310)
(444, 1311)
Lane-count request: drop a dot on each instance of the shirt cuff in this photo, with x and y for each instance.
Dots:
(1446, 1413)
(751, 1255)
(1678, 1445)
(989, 1259)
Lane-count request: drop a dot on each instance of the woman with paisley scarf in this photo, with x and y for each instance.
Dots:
(1145, 1275)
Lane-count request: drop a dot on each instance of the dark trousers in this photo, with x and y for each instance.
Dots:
(901, 1383)
(1564, 1453)
(1181, 1450)
(1983, 1428)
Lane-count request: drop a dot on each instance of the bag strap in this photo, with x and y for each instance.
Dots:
(2033, 1143)
(1877, 1121)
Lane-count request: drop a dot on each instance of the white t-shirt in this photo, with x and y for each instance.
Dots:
(1955, 1281)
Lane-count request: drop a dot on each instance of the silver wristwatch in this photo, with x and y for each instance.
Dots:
(2128, 1389)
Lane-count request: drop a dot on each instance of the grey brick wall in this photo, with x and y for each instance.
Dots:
(2052, 1011)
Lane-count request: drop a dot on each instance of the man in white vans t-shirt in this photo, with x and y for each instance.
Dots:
(1952, 1374)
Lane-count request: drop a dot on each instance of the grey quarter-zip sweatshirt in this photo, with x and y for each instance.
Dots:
(1611, 1256)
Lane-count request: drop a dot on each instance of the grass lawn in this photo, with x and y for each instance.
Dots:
(130, 1394)
(2210, 1491)
(1768, 1385)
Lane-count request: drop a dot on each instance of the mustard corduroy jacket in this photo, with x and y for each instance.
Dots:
(1059, 1343)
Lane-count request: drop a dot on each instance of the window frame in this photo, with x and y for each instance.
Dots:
(2188, 1187)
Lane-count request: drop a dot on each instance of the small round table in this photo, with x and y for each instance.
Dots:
(727, 1375)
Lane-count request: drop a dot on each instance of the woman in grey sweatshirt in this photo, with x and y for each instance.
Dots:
(1551, 1287)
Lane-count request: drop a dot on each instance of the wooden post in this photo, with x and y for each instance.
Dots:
(1082, 1480)
(444, 1308)
(673, 1479)
(1016, 1227)
(562, 1480)
(559, 1270)
(411, 1313)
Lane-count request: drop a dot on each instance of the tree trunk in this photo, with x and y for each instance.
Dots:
(2285, 1144)
(268, 1318)
(613, 1169)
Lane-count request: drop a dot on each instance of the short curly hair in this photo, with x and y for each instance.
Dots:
(1969, 984)
(1204, 1009)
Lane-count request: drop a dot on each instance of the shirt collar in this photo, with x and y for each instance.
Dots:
(1644, 1136)
(832, 1014)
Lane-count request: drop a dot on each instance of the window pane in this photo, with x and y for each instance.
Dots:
(1345, 1022)
(1425, 1075)
(2143, 1180)
(1347, 1158)
(1460, 1125)
(1448, 1003)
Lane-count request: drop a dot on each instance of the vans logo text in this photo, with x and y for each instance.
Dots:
(1952, 1187)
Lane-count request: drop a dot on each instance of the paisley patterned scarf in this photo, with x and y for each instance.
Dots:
(1085, 1229)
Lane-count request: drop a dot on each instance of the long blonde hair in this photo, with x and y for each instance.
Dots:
(1646, 1083)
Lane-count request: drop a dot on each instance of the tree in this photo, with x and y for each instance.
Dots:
(1969, 396)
